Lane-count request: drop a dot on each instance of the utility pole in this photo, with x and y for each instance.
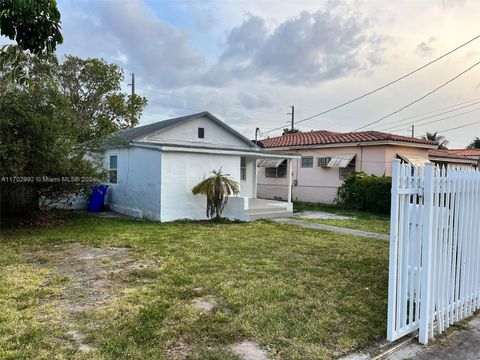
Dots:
(293, 116)
(133, 95)
(256, 135)
(413, 130)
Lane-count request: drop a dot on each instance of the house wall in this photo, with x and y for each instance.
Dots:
(182, 171)
(411, 151)
(187, 134)
(319, 184)
(137, 191)
(247, 186)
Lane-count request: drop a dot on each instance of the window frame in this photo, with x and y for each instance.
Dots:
(280, 171)
(113, 170)
(243, 168)
(305, 158)
(350, 168)
(201, 133)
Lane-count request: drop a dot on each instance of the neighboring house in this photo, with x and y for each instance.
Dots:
(327, 157)
(153, 169)
(463, 158)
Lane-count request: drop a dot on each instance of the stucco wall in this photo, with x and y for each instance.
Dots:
(247, 186)
(319, 184)
(187, 133)
(182, 171)
(137, 191)
(392, 151)
(316, 184)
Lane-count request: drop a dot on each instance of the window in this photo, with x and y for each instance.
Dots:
(307, 161)
(243, 168)
(112, 171)
(277, 172)
(201, 133)
(350, 168)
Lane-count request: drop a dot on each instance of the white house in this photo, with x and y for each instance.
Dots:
(153, 169)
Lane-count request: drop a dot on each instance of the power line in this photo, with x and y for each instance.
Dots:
(419, 99)
(213, 104)
(383, 86)
(459, 127)
(438, 120)
(418, 122)
(434, 111)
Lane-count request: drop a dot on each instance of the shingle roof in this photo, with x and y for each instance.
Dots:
(324, 137)
(455, 153)
(141, 131)
(136, 133)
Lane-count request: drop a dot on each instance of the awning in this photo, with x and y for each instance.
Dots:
(340, 160)
(269, 163)
(414, 160)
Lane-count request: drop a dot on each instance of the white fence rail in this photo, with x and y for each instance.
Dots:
(434, 275)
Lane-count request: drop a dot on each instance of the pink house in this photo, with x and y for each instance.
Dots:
(327, 157)
(456, 157)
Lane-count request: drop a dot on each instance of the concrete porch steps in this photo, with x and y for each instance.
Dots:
(265, 209)
(270, 215)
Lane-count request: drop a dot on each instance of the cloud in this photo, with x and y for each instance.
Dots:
(306, 49)
(254, 101)
(130, 34)
(424, 49)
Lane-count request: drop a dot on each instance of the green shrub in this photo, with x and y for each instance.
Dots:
(366, 192)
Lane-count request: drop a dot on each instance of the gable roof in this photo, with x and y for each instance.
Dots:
(324, 137)
(139, 132)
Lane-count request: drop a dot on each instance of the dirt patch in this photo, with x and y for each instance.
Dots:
(248, 350)
(93, 277)
(205, 303)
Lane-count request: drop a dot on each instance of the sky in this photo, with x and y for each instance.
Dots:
(248, 61)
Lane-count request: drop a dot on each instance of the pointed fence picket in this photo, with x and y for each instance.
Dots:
(434, 275)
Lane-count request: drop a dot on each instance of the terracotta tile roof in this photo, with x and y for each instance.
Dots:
(455, 153)
(324, 137)
(466, 152)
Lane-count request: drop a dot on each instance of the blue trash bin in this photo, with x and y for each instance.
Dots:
(97, 198)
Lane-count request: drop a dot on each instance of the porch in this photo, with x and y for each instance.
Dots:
(247, 203)
(268, 209)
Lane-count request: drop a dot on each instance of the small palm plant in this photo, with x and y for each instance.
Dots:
(217, 188)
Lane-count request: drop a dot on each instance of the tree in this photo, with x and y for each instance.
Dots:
(442, 142)
(93, 88)
(475, 144)
(34, 25)
(41, 159)
(217, 188)
(43, 151)
(290, 131)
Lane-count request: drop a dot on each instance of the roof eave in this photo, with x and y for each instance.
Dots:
(450, 159)
(357, 143)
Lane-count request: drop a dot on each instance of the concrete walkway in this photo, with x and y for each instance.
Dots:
(457, 344)
(312, 225)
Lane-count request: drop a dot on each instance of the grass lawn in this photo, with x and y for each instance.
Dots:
(365, 221)
(99, 288)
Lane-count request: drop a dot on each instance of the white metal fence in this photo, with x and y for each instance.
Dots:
(434, 275)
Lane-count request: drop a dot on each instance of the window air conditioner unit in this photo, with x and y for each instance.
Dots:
(323, 161)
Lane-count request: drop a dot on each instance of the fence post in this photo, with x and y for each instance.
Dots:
(392, 275)
(427, 256)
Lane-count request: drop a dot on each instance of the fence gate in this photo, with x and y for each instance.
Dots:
(434, 273)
